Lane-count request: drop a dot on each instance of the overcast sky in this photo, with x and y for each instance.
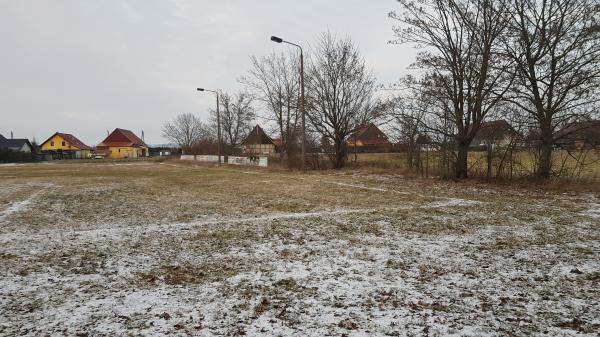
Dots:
(87, 66)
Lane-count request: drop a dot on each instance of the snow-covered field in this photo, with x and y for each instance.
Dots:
(154, 249)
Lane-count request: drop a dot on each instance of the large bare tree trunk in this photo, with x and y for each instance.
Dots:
(489, 157)
(545, 162)
(341, 153)
(462, 161)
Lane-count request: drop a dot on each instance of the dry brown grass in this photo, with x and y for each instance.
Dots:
(225, 249)
(524, 166)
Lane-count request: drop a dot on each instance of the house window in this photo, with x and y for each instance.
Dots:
(63, 143)
(51, 143)
(119, 150)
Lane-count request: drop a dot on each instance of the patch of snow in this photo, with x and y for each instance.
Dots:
(22, 205)
(15, 207)
(592, 212)
(452, 202)
(114, 232)
(379, 189)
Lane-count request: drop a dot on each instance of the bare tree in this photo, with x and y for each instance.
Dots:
(185, 130)
(407, 117)
(237, 114)
(555, 45)
(340, 89)
(460, 41)
(276, 83)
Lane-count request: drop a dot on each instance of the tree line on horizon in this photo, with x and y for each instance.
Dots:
(534, 63)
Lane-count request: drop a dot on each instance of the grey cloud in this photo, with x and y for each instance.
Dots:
(90, 66)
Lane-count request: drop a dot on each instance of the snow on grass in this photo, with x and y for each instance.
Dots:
(115, 232)
(319, 261)
(394, 285)
(15, 207)
(592, 212)
(378, 189)
(452, 202)
(22, 205)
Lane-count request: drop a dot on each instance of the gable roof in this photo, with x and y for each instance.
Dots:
(122, 137)
(15, 144)
(370, 134)
(257, 136)
(72, 140)
(494, 130)
(585, 131)
(2, 137)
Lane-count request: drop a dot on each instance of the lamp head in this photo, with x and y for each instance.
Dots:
(276, 39)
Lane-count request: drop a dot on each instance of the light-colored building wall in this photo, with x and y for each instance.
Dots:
(126, 152)
(58, 143)
(25, 148)
(259, 149)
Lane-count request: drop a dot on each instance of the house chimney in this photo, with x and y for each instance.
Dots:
(11, 134)
(107, 133)
(143, 136)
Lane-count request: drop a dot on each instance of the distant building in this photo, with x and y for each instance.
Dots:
(65, 146)
(163, 151)
(278, 144)
(16, 145)
(369, 138)
(122, 143)
(499, 133)
(579, 135)
(258, 143)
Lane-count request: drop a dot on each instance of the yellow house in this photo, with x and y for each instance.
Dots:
(65, 145)
(122, 143)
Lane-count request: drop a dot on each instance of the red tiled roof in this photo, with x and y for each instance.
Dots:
(72, 140)
(124, 138)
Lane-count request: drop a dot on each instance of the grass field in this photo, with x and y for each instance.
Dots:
(153, 249)
(576, 164)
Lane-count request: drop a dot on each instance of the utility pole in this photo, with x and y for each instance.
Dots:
(216, 92)
(302, 106)
(302, 103)
(218, 130)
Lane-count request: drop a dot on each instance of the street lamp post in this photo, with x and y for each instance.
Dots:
(218, 123)
(302, 107)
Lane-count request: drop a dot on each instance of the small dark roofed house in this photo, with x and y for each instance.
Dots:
(16, 145)
(498, 132)
(258, 143)
(579, 135)
(369, 138)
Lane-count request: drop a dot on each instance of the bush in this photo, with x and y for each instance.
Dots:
(9, 156)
